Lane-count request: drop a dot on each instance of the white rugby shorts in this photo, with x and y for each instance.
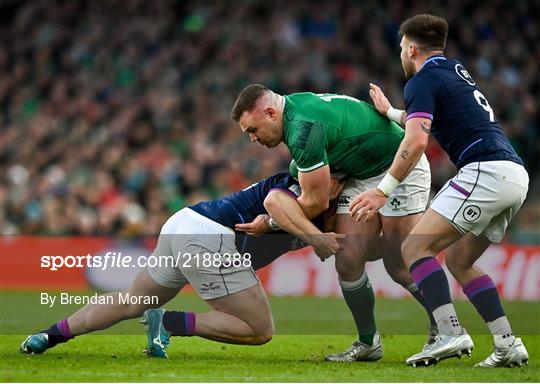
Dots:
(410, 197)
(187, 234)
(483, 197)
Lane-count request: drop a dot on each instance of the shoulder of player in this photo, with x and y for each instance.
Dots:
(280, 181)
(422, 79)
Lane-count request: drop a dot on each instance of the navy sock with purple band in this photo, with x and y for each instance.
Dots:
(179, 323)
(484, 296)
(429, 277)
(58, 333)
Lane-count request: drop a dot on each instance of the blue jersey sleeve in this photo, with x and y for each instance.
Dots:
(420, 96)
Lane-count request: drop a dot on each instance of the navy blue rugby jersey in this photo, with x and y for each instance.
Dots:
(244, 206)
(463, 122)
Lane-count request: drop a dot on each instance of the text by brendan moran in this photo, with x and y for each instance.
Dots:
(65, 298)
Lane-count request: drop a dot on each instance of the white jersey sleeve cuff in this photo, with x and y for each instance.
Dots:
(318, 165)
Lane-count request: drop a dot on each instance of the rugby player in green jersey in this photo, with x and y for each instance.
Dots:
(329, 134)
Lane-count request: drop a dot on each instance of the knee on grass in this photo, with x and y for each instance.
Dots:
(262, 334)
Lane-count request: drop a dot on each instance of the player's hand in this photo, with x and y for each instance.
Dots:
(379, 99)
(367, 204)
(326, 244)
(257, 227)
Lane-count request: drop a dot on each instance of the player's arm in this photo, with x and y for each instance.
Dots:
(289, 216)
(409, 152)
(308, 149)
(420, 99)
(315, 196)
(411, 148)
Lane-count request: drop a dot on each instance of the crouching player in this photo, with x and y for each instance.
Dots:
(239, 313)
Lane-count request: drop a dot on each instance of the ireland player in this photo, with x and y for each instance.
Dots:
(239, 308)
(472, 210)
(327, 134)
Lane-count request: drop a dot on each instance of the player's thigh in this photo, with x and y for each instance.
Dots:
(145, 288)
(358, 233)
(251, 305)
(361, 238)
(361, 243)
(395, 230)
(431, 234)
(144, 284)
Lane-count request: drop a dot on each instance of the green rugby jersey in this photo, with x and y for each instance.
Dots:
(346, 133)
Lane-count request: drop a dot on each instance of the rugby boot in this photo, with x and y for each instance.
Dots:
(433, 332)
(444, 347)
(513, 356)
(35, 344)
(158, 337)
(360, 352)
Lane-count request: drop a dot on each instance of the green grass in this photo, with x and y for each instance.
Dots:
(307, 329)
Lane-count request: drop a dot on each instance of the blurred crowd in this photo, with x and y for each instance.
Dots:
(114, 114)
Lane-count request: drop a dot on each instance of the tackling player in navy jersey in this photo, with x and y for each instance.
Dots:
(240, 312)
(472, 210)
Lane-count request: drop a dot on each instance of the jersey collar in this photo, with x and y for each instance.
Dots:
(433, 59)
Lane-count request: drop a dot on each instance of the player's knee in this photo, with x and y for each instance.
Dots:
(348, 271)
(264, 334)
(261, 339)
(349, 264)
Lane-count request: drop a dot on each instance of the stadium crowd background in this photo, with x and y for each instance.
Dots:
(114, 114)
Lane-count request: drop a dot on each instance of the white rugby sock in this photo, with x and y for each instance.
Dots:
(503, 337)
(351, 285)
(447, 320)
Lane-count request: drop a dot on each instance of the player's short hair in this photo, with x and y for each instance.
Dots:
(247, 99)
(429, 32)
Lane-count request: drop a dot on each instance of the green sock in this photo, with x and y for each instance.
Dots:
(413, 289)
(360, 298)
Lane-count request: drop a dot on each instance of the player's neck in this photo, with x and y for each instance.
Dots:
(280, 102)
(421, 59)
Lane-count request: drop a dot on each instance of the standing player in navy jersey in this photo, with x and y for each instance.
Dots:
(240, 312)
(472, 210)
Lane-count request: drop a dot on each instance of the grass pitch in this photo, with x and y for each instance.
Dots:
(307, 329)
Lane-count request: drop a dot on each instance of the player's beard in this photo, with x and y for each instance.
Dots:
(408, 68)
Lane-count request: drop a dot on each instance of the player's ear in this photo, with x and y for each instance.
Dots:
(412, 50)
(271, 113)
